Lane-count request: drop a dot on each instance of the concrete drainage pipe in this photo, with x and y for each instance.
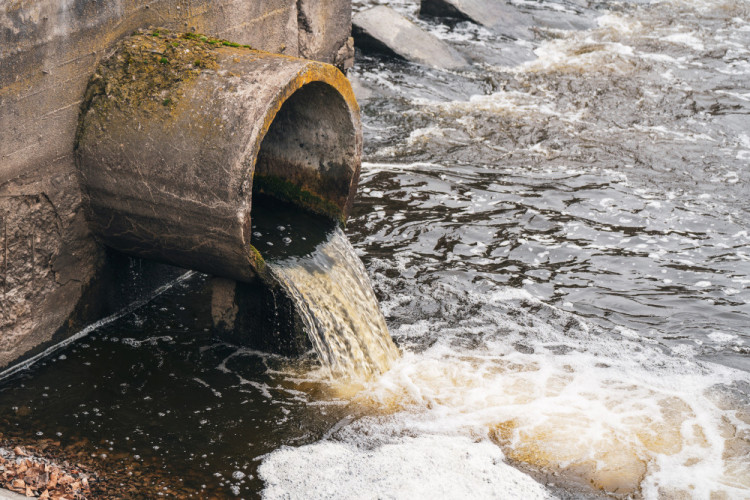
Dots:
(176, 129)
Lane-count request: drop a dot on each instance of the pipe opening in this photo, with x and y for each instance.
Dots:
(309, 156)
(166, 168)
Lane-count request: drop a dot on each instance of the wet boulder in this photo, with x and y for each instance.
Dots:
(496, 15)
(502, 17)
(382, 30)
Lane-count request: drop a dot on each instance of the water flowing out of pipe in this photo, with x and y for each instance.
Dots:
(313, 261)
(336, 301)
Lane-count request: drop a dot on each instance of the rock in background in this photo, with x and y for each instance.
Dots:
(383, 30)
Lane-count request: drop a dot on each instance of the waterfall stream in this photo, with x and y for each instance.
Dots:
(313, 261)
(334, 296)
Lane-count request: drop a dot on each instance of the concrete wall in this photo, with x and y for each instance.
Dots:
(48, 51)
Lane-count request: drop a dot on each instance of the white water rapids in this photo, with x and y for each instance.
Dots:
(564, 258)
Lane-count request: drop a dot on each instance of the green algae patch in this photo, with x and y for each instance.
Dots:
(284, 190)
(150, 68)
(213, 41)
(257, 261)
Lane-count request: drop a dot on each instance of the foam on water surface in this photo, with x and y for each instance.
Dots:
(561, 250)
(582, 171)
(405, 468)
(565, 401)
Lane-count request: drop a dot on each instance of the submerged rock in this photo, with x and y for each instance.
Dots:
(382, 30)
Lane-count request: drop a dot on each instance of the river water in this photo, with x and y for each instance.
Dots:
(559, 238)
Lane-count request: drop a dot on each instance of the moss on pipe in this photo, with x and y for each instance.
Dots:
(282, 189)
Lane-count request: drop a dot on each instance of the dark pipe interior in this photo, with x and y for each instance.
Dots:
(308, 155)
(281, 230)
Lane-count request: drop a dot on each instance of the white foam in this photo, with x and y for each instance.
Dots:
(687, 39)
(619, 23)
(372, 168)
(721, 337)
(613, 411)
(421, 467)
(578, 54)
(614, 408)
(507, 102)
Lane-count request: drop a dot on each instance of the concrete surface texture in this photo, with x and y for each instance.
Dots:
(178, 130)
(381, 29)
(49, 259)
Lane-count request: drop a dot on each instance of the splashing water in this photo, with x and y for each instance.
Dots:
(338, 306)
(572, 408)
(312, 260)
(570, 236)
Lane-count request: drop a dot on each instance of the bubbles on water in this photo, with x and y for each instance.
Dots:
(563, 398)
(585, 136)
(406, 465)
(606, 179)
